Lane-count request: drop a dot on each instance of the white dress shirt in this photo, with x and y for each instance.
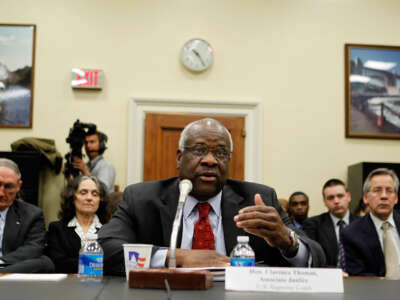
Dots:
(93, 228)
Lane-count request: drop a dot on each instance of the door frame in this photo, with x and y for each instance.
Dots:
(251, 111)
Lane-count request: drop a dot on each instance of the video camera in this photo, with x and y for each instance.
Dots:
(76, 139)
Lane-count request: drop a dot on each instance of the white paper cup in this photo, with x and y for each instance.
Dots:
(137, 256)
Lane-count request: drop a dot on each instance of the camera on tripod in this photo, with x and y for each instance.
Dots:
(76, 139)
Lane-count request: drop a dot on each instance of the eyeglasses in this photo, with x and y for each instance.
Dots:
(201, 150)
(379, 191)
(8, 186)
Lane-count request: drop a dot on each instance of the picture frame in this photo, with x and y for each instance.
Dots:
(17, 65)
(372, 91)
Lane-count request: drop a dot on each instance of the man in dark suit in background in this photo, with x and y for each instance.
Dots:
(235, 208)
(22, 230)
(372, 243)
(325, 227)
(298, 208)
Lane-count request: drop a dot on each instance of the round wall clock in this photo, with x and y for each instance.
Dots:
(197, 55)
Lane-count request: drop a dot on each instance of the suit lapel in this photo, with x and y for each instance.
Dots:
(328, 230)
(396, 218)
(230, 205)
(371, 238)
(12, 228)
(169, 204)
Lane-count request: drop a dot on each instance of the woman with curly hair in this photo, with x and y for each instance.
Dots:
(82, 212)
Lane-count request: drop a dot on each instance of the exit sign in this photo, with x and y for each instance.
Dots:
(87, 79)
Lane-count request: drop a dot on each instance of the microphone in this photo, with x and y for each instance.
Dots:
(177, 279)
(185, 187)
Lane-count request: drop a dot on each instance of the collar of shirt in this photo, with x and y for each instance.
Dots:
(346, 218)
(335, 219)
(92, 163)
(3, 214)
(78, 229)
(378, 222)
(191, 202)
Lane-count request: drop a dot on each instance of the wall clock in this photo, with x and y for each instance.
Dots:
(197, 55)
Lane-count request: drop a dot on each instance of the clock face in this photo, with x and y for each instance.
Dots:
(197, 55)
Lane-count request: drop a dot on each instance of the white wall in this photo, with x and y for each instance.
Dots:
(287, 53)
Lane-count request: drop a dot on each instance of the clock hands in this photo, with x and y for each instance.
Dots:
(198, 55)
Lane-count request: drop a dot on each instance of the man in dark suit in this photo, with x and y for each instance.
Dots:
(324, 228)
(298, 208)
(22, 230)
(372, 242)
(235, 208)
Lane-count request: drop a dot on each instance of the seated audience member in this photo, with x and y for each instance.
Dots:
(22, 229)
(82, 212)
(298, 208)
(325, 227)
(372, 242)
(113, 200)
(285, 204)
(362, 209)
(225, 207)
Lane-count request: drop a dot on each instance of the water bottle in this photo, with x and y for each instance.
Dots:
(91, 256)
(242, 255)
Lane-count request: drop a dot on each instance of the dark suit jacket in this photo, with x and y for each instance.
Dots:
(63, 245)
(24, 233)
(320, 228)
(148, 210)
(364, 254)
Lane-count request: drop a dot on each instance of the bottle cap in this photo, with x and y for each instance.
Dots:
(243, 239)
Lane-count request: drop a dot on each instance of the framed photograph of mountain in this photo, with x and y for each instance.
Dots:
(17, 63)
(372, 83)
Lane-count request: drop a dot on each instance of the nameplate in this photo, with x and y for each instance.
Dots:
(293, 280)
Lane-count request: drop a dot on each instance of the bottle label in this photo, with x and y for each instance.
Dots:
(91, 264)
(243, 262)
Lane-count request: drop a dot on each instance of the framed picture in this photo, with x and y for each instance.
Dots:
(17, 57)
(372, 84)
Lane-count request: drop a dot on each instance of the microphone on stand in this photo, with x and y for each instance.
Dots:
(175, 278)
(185, 187)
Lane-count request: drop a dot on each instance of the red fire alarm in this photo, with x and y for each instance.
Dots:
(87, 79)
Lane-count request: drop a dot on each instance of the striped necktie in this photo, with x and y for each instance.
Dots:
(342, 257)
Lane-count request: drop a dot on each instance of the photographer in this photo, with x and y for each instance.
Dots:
(95, 145)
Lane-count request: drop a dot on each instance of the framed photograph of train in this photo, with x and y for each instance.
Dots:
(17, 63)
(372, 85)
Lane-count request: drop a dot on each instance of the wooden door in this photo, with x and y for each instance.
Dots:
(162, 138)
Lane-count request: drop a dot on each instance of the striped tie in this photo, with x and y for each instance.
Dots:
(342, 258)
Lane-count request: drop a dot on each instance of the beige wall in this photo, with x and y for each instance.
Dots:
(288, 54)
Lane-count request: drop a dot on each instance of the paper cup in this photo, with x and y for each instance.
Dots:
(137, 256)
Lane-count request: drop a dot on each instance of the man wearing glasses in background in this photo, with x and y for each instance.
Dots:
(372, 243)
(224, 208)
(22, 230)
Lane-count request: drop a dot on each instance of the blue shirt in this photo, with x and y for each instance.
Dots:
(3, 215)
(190, 217)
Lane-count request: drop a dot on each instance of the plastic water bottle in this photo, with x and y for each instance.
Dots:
(242, 255)
(91, 256)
